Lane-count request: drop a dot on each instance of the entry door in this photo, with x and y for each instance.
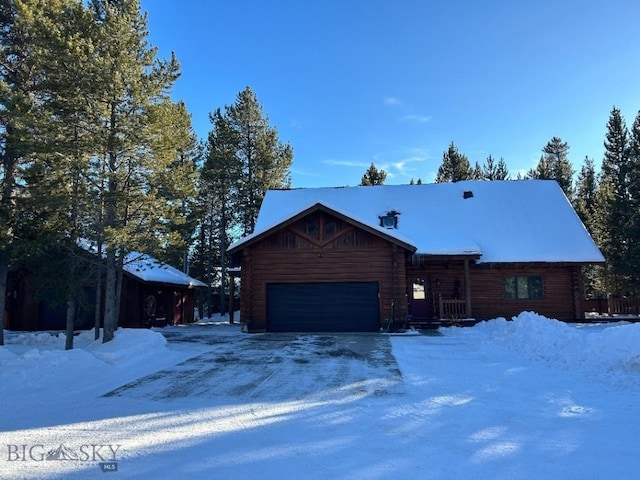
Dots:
(419, 299)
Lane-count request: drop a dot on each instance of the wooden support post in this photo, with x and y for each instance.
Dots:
(232, 286)
(467, 289)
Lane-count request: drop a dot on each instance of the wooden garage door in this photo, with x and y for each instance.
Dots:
(323, 307)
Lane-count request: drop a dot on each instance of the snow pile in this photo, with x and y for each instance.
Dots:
(610, 350)
(36, 365)
(129, 346)
(6, 356)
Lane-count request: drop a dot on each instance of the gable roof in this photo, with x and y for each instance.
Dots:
(258, 234)
(148, 269)
(503, 221)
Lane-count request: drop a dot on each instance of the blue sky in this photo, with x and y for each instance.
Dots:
(393, 82)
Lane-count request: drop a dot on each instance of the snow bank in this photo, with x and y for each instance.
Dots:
(129, 346)
(40, 352)
(613, 351)
(6, 356)
(35, 366)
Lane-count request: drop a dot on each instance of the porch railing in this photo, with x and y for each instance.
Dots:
(613, 306)
(452, 309)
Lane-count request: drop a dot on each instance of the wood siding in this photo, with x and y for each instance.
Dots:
(558, 284)
(562, 287)
(319, 247)
(302, 254)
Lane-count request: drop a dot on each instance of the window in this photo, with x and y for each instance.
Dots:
(311, 228)
(418, 290)
(523, 287)
(390, 220)
(330, 228)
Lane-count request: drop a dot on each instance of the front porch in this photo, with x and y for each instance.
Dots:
(438, 290)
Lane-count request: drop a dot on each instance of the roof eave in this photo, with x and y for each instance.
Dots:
(241, 245)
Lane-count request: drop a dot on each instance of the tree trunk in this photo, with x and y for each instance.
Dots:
(97, 314)
(71, 322)
(223, 266)
(119, 275)
(110, 293)
(4, 271)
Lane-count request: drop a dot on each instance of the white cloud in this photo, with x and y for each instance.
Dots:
(410, 116)
(416, 118)
(347, 163)
(392, 102)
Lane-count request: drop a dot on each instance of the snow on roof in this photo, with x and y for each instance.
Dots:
(148, 269)
(503, 221)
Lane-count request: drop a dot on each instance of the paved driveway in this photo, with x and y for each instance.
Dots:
(273, 367)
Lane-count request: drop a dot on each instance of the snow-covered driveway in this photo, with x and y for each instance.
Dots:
(272, 367)
(527, 399)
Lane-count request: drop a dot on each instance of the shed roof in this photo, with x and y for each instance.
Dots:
(148, 269)
(499, 221)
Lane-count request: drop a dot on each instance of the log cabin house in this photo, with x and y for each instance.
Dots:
(385, 257)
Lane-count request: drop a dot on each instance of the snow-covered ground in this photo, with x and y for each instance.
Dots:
(530, 398)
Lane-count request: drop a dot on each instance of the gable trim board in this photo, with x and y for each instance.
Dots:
(502, 230)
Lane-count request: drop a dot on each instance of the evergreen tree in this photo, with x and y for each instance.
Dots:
(584, 203)
(634, 205)
(586, 187)
(554, 164)
(243, 159)
(58, 179)
(495, 171)
(19, 85)
(612, 216)
(266, 162)
(134, 161)
(221, 182)
(478, 173)
(455, 166)
(373, 176)
(556, 154)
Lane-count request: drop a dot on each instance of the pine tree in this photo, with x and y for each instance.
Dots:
(495, 171)
(243, 159)
(133, 162)
(612, 216)
(634, 206)
(478, 173)
(455, 166)
(373, 176)
(584, 203)
(585, 193)
(556, 154)
(19, 85)
(64, 131)
(266, 161)
(221, 182)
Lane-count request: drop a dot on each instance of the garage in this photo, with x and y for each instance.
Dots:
(323, 307)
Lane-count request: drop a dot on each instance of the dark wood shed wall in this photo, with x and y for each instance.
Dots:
(174, 304)
(380, 262)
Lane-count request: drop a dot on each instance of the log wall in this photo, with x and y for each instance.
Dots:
(559, 290)
(562, 287)
(347, 255)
